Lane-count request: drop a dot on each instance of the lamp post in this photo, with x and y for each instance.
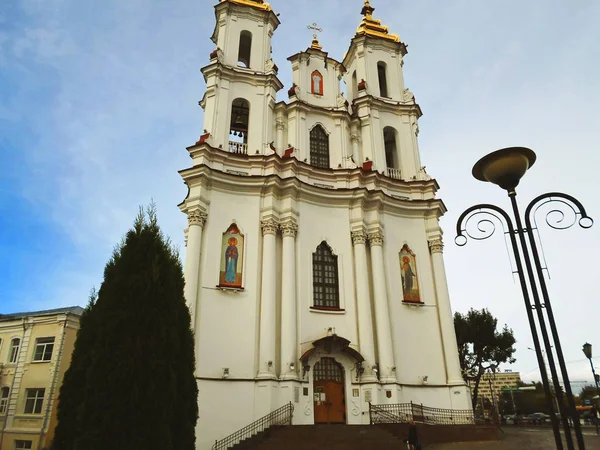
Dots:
(505, 168)
(587, 350)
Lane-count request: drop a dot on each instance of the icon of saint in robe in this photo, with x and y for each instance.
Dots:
(407, 276)
(231, 259)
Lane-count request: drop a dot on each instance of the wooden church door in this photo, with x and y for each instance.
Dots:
(329, 397)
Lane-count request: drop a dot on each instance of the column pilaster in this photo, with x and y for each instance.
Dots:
(279, 127)
(447, 330)
(289, 229)
(196, 220)
(382, 315)
(363, 294)
(268, 316)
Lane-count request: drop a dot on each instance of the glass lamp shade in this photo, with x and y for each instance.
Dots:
(505, 167)
(587, 350)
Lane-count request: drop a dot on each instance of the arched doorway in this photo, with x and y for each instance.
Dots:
(329, 395)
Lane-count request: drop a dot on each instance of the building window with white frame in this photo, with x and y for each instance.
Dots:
(43, 349)
(23, 445)
(13, 354)
(34, 401)
(4, 392)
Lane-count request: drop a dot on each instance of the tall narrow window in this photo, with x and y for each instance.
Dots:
(23, 445)
(4, 399)
(245, 49)
(238, 128)
(319, 148)
(354, 85)
(389, 142)
(316, 83)
(34, 401)
(381, 73)
(326, 292)
(13, 354)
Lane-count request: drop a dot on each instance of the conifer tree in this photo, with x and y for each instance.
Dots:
(137, 389)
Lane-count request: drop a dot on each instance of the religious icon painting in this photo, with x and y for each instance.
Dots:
(408, 270)
(316, 83)
(232, 258)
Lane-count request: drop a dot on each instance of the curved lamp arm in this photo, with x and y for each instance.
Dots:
(564, 212)
(487, 215)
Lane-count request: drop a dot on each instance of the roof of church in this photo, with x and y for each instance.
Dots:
(373, 27)
(77, 310)
(259, 4)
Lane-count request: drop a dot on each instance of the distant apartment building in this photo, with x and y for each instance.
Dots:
(495, 382)
(35, 352)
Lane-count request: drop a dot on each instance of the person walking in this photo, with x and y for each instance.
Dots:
(413, 436)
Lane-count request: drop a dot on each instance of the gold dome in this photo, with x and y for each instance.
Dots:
(258, 4)
(372, 27)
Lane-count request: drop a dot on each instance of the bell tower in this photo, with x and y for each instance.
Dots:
(387, 110)
(241, 78)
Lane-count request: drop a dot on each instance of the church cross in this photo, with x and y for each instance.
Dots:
(315, 28)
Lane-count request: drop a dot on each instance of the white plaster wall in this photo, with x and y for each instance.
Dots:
(230, 28)
(226, 323)
(261, 98)
(319, 223)
(416, 333)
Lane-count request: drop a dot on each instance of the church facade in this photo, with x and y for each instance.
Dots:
(314, 266)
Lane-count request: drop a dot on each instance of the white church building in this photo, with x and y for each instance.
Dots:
(314, 266)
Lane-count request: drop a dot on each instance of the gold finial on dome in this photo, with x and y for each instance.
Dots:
(373, 27)
(315, 42)
(259, 4)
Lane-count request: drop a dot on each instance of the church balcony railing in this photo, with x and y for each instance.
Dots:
(393, 173)
(238, 147)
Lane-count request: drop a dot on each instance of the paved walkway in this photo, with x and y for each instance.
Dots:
(522, 439)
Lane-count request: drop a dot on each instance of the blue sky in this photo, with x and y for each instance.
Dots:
(99, 100)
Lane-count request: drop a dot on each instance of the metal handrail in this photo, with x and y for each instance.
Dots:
(281, 416)
(405, 412)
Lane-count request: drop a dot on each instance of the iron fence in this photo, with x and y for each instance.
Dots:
(405, 412)
(281, 416)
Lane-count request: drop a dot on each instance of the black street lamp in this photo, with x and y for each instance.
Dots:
(587, 351)
(505, 168)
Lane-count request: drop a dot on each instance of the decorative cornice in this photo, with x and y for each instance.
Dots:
(289, 228)
(197, 217)
(269, 226)
(358, 237)
(436, 246)
(376, 238)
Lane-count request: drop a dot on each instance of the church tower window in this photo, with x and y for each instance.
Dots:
(382, 74)
(391, 152)
(238, 128)
(245, 49)
(325, 278)
(354, 85)
(319, 147)
(316, 83)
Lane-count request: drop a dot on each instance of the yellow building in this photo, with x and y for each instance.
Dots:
(35, 352)
(495, 382)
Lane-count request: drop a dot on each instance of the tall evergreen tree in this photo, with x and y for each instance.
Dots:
(137, 389)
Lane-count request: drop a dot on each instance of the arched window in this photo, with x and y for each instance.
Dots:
(4, 399)
(15, 344)
(245, 49)
(238, 128)
(382, 75)
(326, 292)
(319, 148)
(354, 85)
(389, 142)
(316, 83)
